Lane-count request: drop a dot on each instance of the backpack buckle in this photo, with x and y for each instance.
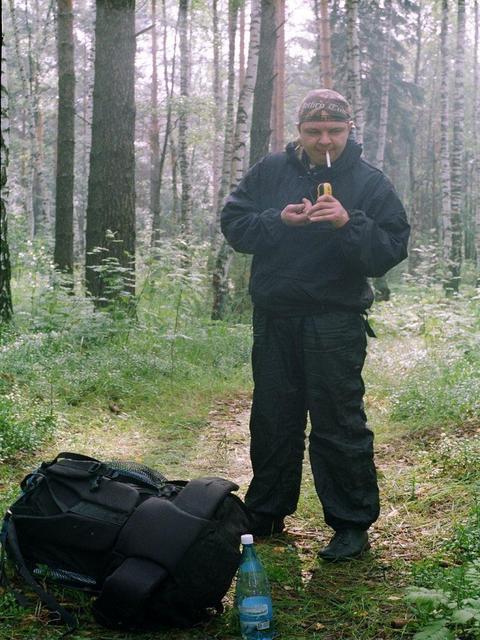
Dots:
(95, 467)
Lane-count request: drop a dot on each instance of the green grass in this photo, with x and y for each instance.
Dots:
(111, 385)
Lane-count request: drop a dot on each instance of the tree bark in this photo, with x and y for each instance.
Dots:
(385, 88)
(229, 122)
(278, 104)
(37, 207)
(380, 284)
(262, 97)
(6, 308)
(241, 46)
(318, 37)
(325, 48)
(415, 220)
(63, 253)
(154, 130)
(476, 146)
(354, 81)
(111, 185)
(167, 139)
(186, 205)
(444, 142)
(225, 253)
(453, 281)
(217, 112)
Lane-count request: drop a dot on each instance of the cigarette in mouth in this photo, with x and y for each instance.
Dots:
(327, 155)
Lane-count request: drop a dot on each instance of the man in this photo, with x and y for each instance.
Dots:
(311, 259)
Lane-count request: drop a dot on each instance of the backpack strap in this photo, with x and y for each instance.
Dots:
(153, 541)
(10, 540)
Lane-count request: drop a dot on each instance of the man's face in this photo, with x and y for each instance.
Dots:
(317, 137)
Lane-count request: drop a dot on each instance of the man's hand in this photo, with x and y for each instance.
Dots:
(296, 214)
(328, 209)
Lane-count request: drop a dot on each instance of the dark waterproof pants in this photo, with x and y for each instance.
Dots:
(311, 365)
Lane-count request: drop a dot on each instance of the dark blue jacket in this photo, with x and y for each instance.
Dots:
(307, 269)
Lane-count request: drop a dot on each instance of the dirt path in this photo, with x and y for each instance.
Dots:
(403, 531)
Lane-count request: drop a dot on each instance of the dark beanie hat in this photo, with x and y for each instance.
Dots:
(324, 104)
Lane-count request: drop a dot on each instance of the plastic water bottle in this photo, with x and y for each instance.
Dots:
(252, 596)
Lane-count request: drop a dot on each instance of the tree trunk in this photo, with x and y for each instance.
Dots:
(167, 139)
(111, 185)
(36, 205)
(476, 146)
(415, 221)
(217, 112)
(318, 37)
(444, 143)
(326, 54)
(241, 46)
(354, 77)
(380, 284)
(41, 217)
(262, 97)
(225, 253)
(186, 208)
(385, 88)
(453, 282)
(278, 124)
(63, 254)
(154, 130)
(229, 123)
(6, 309)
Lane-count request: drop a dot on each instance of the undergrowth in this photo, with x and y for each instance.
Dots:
(446, 597)
(65, 365)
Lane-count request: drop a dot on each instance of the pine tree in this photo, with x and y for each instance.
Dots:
(262, 97)
(110, 239)
(63, 253)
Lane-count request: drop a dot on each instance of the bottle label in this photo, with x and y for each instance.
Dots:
(255, 614)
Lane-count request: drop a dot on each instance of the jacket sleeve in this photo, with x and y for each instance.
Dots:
(246, 226)
(375, 240)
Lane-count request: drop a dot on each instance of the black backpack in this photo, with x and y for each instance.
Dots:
(154, 552)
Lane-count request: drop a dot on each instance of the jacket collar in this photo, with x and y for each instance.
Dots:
(348, 158)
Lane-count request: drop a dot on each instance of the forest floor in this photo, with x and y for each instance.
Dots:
(360, 600)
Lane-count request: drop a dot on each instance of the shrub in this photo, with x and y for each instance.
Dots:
(23, 423)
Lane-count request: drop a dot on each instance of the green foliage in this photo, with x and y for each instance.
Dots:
(23, 423)
(440, 381)
(456, 456)
(62, 348)
(446, 600)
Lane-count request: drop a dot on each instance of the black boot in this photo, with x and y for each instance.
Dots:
(346, 545)
(263, 525)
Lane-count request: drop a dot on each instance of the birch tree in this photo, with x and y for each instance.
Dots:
(476, 146)
(217, 107)
(382, 290)
(63, 253)
(385, 87)
(30, 88)
(6, 309)
(453, 280)
(225, 252)
(413, 256)
(444, 142)
(354, 81)
(229, 115)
